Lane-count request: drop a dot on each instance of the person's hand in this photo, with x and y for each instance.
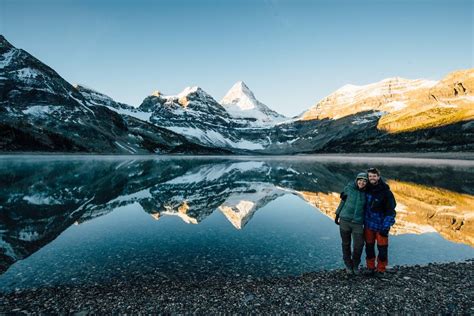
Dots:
(336, 220)
(343, 196)
(384, 233)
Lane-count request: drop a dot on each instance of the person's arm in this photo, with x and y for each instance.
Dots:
(339, 208)
(343, 197)
(390, 213)
(390, 205)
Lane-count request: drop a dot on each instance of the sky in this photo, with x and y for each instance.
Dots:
(291, 54)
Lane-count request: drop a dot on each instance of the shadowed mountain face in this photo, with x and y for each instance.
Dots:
(41, 197)
(40, 111)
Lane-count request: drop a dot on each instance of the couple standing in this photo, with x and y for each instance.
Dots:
(365, 214)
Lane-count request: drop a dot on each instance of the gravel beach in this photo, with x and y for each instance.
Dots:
(435, 288)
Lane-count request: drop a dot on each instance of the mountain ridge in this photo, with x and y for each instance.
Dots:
(40, 111)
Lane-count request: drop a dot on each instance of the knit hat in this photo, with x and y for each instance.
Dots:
(362, 175)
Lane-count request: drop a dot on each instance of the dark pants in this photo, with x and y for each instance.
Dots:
(371, 237)
(351, 232)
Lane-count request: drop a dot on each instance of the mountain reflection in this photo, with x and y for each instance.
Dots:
(41, 199)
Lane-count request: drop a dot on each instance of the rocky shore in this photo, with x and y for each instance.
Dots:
(434, 289)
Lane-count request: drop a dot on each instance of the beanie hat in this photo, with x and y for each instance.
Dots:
(362, 175)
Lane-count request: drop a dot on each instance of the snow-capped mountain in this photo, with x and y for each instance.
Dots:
(40, 111)
(386, 96)
(349, 120)
(240, 102)
(192, 113)
(201, 119)
(404, 105)
(197, 116)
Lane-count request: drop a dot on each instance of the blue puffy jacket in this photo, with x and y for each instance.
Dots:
(380, 211)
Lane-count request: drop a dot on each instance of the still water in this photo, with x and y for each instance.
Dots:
(66, 220)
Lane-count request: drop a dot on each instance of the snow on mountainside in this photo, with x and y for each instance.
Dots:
(192, 113)
(404, 105)
(40, 111)
(200, 118)
(387, 95)
(94, 97)
(241, 102)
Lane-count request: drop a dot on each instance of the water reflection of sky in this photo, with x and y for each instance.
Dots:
(287, 235)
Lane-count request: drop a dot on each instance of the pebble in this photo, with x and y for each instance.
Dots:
(313, 292)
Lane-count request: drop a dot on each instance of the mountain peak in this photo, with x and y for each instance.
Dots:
(241, 102)
(194, 92)
(7, 52)
(387, 95)
(240, 95)
(4, 43)
(240, 85)
(156, 93)
(189, 90)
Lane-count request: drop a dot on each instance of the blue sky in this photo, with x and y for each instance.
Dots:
(290, 53)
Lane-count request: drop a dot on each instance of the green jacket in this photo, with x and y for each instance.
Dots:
(352, 208)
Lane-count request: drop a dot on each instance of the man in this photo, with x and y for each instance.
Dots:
(379, 216)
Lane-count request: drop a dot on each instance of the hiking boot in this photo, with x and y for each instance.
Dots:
(369, 272)
(380, 274)
(357, 271)
(349, 270)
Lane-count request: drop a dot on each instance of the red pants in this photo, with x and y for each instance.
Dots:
(371, 237)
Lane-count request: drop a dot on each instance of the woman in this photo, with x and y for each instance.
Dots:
(350, 218)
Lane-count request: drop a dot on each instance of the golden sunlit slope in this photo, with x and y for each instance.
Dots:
(407, 105)
(449, 213)
(420, 209)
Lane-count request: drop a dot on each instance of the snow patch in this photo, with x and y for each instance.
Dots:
(187, 90)
(214, 138)
(27, 73)
(6, 58)
(140, 195)
(214, 172)
(39, 110)
(293, 140)
(367, 118)
(144, 116)
(41, 199)
(81, 103)
(126, 148)
(28, 235)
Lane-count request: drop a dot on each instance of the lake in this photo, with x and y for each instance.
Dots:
(87, 219)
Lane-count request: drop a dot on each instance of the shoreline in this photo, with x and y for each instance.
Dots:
(433, 288)
(407, 155)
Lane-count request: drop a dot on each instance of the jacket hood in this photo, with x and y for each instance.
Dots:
(355, 186)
